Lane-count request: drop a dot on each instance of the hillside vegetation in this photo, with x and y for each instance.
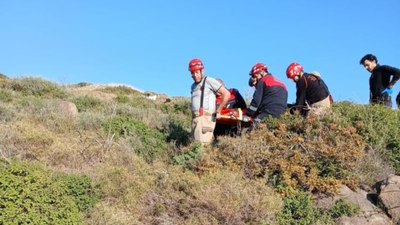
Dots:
(126, 159)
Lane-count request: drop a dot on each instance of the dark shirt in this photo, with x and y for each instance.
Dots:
(270, 98)
(310, 88)
(380, 79)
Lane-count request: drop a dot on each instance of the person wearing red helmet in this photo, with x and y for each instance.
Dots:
(204, 91)
(381, 81)
(312, 92)
(269, 98)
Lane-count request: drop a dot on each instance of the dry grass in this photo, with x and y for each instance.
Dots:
(234, 182)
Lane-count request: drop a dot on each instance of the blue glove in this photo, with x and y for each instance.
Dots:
(389, 91)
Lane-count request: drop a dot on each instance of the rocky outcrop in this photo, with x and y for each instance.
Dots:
(389, 197)
(370, 214)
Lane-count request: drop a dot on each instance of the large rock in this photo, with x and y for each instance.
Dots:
(68, 109)
(369, 215)
(389, 197)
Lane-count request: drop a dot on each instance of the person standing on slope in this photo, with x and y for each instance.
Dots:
(381, 81)
(204, 91)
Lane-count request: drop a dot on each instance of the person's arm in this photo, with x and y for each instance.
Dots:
(257, 98)
(225, 95)
(301, 92)
(396, 75)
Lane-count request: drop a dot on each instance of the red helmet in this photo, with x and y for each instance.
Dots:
(293, 70)
(195, 64)
(258, 68)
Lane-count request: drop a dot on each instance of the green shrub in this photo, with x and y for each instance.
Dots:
(121, 90)
(343, 207)
(81, 190)
(5, 95)
(299, 210)
(90, 120)
(86, 103)
(187, 157)
(122, 99)
(37, 87)
(178, 134)
(7, 112)
(180, 106)
(31, 194)
(83, 84)
(146, 141)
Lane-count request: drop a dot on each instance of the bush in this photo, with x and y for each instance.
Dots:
(146, 142)
(377, 124)
(37, 87)
(122, 99)
(343, 207)
(188, 157)
(178, 134)
(80, 188)
(86, 103)
(90, 120)
(5, 95)
(31, 194)
(299, 210)
(7, 112)
(121, 90)
(296, 154)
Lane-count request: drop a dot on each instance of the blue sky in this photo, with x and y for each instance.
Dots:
(148, 44)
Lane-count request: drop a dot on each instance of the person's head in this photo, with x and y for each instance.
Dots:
(258, 71)
(196, 68)
(369, 61)
(252, 81)
(294, 71)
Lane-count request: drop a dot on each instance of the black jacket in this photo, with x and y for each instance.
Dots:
(270, 98)
(310, 88)
(380, 79)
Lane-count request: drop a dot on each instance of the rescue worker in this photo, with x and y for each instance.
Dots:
(269, 98)
(381, 81)
(204, 91)
(235, 101)
(312, 94)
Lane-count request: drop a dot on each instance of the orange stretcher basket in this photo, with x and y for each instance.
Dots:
(231, 116)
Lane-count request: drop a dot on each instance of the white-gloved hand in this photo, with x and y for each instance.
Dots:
(246, 118)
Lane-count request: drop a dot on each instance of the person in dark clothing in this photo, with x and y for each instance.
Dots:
(398, 100)
(269, 98)
(381, 81)
(235, 101)
(312, 94)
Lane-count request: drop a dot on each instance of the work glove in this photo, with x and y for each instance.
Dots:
(389, 91)
(246, 118)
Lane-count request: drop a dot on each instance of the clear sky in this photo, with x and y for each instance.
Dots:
(148, 44)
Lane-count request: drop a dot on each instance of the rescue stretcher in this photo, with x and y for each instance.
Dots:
(232, 116)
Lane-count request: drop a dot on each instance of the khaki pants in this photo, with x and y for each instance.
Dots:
(318, 108)
(203, 128)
